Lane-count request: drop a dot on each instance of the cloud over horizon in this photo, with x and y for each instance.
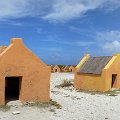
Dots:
(109, 40)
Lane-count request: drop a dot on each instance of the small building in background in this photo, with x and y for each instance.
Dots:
(62, 68)
(72, 68)
(98, 73)
(69, 68)
(55, 68)
(66, 68)
(23, 76)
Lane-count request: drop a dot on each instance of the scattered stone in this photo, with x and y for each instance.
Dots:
(106, 118)
(67, 96)
(52, 110)
(78, 98)
(15, 112)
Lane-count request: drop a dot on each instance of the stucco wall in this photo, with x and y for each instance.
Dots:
(112, 68)
(89, 82)
(17, 60)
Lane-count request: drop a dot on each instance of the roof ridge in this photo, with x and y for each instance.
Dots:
(100, 56)
(2, 48)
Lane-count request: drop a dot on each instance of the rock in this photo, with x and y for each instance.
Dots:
(52, 110)
(15, 112)
(106, 118)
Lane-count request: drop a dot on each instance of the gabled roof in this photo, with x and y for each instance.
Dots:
(62, 67)
(67, 67)
(2, 48)
(94, 65)
(52, 66)
(72, 66)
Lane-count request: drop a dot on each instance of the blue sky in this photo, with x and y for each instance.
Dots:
(62, 31)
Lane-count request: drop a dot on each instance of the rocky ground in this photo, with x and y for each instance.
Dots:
(75, 105)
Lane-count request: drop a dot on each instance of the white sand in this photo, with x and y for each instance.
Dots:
(75, 105)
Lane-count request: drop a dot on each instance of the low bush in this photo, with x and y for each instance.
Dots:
(43, 104)
(4, 108)
(65, 84)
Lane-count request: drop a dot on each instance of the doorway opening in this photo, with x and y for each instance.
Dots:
(12, 88)
(55, 70)
(114, 79)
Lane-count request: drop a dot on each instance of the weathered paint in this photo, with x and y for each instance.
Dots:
(17, 60)
(100, 82)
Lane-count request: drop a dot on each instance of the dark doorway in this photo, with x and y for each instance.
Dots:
(12, 88)
(114, 78)
(55, 70)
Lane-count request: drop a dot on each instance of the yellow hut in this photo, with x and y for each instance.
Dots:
(72, 68)
(66, 68)
(55, 68)
(98, 73)
(23, 76)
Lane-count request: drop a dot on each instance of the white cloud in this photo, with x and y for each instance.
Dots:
(52, 10)
(108, 35)
(10, 9)
(13, 9)
(112, 46)
(68, 9)
(109, 41)
(64, 10)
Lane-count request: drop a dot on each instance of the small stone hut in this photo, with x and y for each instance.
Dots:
(55, 68)
(72, 68)
(66, 68)
(98, 73)
(23, 75)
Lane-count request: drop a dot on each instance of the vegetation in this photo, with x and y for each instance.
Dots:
(4, 108)
(109, 93)
(65, 83)
(54, 103)
(43, 104)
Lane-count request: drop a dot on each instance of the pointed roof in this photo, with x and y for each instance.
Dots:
(52, 66)
(94, 65)
(67, 67)
(62, 67)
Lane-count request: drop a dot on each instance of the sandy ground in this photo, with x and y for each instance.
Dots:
(75, 105)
